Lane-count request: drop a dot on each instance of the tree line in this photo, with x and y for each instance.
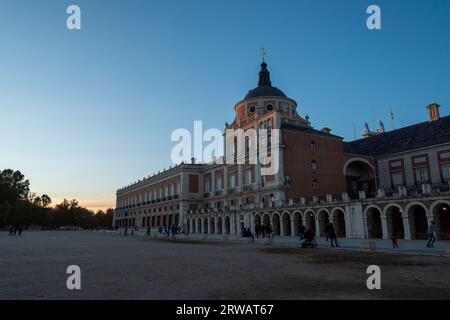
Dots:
(21, 207)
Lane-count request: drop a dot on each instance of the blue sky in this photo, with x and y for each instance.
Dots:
(85, 112)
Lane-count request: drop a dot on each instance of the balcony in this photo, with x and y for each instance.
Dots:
(231, 190)
(218, 193)
(247, 188)
(206, 194)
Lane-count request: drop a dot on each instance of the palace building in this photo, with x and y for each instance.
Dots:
(389, 183)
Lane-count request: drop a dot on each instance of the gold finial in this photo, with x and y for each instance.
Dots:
(264, 53)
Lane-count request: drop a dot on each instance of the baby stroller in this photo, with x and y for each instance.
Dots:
(308, 240)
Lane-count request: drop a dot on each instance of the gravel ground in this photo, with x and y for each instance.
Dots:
(114, 267)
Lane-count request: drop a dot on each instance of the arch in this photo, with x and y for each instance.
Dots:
(310, 219)
(286, 224)
(417, 217)
(394, 218)
(199, 226)
(360, 176)
(338, 219)
(356, 159)
(205, 225)
(266, 219)
(297, 217)
(227, 225)
(440, 213)
(276, 223)
(373, 222)
(212, 226)
(323, 216)
(219, 225)
(257, 224)
(188, 226)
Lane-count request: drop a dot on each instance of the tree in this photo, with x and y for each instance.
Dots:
(46, 201)
(13, 186)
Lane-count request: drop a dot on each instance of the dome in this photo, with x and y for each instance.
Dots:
(265, 91)
(264, 88)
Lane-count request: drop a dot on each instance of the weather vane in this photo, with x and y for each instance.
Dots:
(264, 54)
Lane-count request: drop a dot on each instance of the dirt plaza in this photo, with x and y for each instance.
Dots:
(34, 265)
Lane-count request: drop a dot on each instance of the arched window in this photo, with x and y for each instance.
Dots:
(312, 146)
(314, 165)
(315, 184)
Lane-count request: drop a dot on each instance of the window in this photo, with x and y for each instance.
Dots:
(446, 172)
(172, 190)
(314, 165)
(248, 177)
(232, 181)
(218, 183)
(421, 175)
(288, 180)
(207, 187)
(312, 146)
(251, 109)
(397, 179)
(315, 184)
(247, 145)
(269, 107)
(167, 192)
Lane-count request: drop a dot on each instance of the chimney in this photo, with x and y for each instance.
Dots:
(433, 112)
(326, 130)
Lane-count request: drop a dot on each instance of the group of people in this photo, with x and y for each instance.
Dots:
(15, 230)
(173, 230)
(247, 233)
(263, 230)
(432, 236)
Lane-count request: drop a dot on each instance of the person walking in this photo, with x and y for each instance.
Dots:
(431, 235)
(269, 230)
(263, 231)
(302, 231)
(394, 242)
(257, 229)
(327, 232)
(332, 234)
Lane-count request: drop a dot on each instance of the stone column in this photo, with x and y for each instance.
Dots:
(316, 217)
(232, 224)
(293, 227)
(406, 226)
(384, 226)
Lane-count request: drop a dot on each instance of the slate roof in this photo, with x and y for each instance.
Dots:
(266, 91)
(309, 130)
(417, 136)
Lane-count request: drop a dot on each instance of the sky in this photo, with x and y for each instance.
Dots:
(85, 112)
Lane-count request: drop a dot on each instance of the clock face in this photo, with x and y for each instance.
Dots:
(284, 107)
